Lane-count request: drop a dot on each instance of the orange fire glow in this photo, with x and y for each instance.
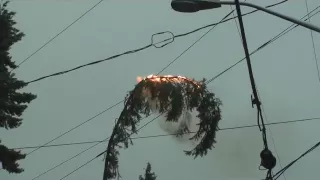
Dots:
(156, 78)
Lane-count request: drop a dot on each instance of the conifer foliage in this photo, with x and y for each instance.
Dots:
(12, 102)
(174, 95)
(148, 175)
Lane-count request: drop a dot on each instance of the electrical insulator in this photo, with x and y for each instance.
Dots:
(268, 161)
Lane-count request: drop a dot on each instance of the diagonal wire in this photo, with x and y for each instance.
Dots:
(278, 174)
(313, 45)
(58, 34)
(147, 46)
(85, 150)
(315, 11)
(236, 22)
(122, 101)
(199, 39)
(90, 119)
(91, 63)
(272, 138)
(214, 25)
(229, 69)
(163, 135)
(105, 151)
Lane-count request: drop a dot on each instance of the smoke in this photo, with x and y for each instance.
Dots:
(188, 119)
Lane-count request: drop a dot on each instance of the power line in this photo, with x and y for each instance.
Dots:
(266, 155)
(278, 174)
(94, 145)
(180, 35)
(95, 158)
(235, 21)
(224, 18)
(122, 101)
(54, 37)
(219, 23)
(274, 144)
(158, 73)
(313, 45)
(272, 138)
(231, 128)
(282, 33)
(273, 141)
(90, 119)
(164, 135)
(144, 47)
(128, 52)
(102, 112)
(281, 172)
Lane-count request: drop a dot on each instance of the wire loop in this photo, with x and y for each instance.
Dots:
(155, 44)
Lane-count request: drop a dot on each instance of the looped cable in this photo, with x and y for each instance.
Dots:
(155, 44)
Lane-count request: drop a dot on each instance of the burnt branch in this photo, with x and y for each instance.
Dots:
(171, 96)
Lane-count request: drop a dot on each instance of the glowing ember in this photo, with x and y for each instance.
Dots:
(139, 78)
(156, 78)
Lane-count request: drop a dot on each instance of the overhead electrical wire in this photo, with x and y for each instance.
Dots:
(199, 39)
(313, 45)
(315, 11)
(58, 34)
(278, 174)
(107, 109)
(236, 23)
(122, 101)
(144, 47)
(270, 41)
(163, 135)
(268, 161)
(272, 138)
(265, 44)
(85, 150)
(281, 172)
(90, 119)
(213, 26)
(93, 159)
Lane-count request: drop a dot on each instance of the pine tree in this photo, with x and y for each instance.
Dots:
(148, 175)
(12, 102)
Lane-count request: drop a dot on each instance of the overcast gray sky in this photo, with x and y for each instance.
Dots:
(285, 72)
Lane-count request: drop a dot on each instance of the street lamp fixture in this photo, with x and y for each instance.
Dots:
(190, 6)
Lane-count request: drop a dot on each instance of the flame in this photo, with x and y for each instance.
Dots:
(139, 78)
(156, 78)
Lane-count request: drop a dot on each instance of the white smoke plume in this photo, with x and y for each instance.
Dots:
(188, 119)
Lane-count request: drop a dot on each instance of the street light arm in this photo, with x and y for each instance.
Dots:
(282, 16)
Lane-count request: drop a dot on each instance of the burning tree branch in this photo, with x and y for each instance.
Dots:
(170, 95)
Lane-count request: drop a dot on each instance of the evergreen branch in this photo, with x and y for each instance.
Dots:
(9, 158)
(169, 95)
(12, 102)
(148, 175)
